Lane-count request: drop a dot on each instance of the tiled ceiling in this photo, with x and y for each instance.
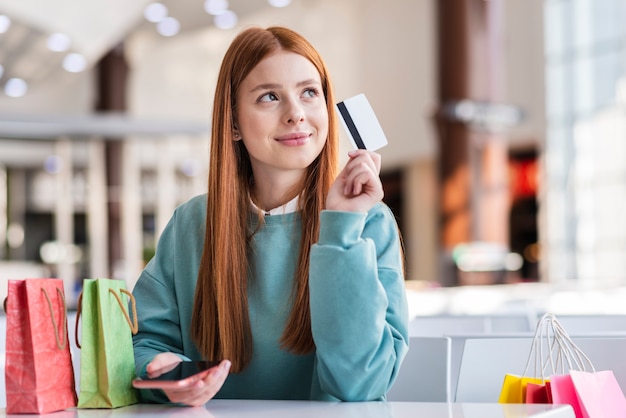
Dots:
(94, 30)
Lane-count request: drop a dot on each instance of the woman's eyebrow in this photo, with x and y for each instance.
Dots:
(266, 86)
(272, 86)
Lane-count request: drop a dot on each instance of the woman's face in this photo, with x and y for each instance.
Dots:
(281, 114)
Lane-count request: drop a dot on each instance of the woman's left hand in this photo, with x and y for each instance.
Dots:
(358, 187)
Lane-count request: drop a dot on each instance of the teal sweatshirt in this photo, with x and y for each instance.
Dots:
(359, 314)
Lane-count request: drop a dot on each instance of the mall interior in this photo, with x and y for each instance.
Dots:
(505, 166)
(505, 119)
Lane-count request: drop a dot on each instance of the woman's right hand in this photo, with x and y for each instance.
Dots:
(196, 393)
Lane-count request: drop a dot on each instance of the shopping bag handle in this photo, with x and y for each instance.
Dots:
(559, 343)
(79, 308)
(60, 344)
(134, 327)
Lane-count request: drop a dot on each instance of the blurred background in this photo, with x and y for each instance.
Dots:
(506, 167)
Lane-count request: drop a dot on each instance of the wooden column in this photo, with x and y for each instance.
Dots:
(112, 77)
(472, 160)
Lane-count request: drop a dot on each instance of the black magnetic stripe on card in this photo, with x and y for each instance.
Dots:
(343, 110)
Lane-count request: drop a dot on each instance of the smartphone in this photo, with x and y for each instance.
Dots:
(177, 376)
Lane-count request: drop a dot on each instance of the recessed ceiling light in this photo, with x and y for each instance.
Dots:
(15, 87)
(155, 12)
(58, 42)
(215, 7)
(5, 23)
(279, 3)
(74, 63)
(168, 26)
(226, 20)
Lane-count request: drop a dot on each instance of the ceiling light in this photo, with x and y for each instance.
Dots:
(168, 26)
(155, 12)
(74, 63)
(15, 87)
(215, 7)
(279, 3)
(58, 42)
(226, 20)
(5, 23)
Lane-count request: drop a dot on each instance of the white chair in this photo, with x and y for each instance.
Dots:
(595, 323)
(485, 361)
(457, 351)
(424, 374)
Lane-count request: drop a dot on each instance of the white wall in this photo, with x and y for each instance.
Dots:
(382, 49)
(524, 58)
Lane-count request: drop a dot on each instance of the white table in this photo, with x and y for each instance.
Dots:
(303, 409)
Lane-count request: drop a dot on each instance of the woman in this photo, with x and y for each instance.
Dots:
(287, 271)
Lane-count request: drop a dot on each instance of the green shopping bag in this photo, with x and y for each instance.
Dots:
(107, 363)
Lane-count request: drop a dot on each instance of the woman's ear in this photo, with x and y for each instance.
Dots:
(236, 134)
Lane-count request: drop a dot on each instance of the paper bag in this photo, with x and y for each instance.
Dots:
(592, 393)
(107, 365)
(514, 388)
(538, 393)
(599, 394)
(39, 376)
(563, 392)
(536, 388)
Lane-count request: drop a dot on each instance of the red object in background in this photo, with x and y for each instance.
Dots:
(524, 178)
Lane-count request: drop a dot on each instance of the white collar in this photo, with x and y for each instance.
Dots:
(288, 207)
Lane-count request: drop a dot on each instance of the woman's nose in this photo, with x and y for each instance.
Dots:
(295, 112)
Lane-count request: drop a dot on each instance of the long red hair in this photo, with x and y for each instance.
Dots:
(220, 324)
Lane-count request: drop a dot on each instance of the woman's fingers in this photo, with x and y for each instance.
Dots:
(358, 186)
(362, 174)
(199, 391)
(162, 363)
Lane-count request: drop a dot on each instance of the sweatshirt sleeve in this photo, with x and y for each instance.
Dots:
(359, 313)
(157, 311)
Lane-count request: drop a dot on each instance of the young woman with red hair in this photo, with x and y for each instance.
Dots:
(287, 270)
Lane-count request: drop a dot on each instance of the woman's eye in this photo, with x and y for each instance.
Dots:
(268, 97)
(310, 93)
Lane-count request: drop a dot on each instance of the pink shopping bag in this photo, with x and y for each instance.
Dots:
(563, 392)
(599, 394)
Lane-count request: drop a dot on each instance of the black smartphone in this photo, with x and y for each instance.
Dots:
(179, 375)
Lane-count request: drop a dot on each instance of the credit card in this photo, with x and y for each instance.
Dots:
(360, 122)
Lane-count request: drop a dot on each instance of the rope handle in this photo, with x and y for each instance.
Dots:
(575, 357)
(134, 327)
(79, 309)
(60, 344)
(568, 355)
(536, 348)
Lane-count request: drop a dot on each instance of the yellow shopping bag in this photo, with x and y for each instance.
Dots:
(514, 388)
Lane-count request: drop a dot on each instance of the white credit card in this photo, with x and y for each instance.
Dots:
(360, 122)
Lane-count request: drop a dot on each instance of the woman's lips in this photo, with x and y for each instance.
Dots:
(298, 138)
